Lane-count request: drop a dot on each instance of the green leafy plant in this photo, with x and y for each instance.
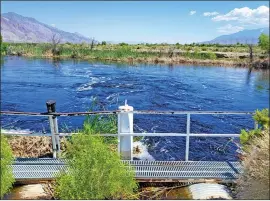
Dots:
(101, 124)
(264, 42)
(262, 118)
(7, 178)
(245, 136)
(94, 172)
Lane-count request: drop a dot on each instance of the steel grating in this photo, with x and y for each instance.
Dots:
(48, 168)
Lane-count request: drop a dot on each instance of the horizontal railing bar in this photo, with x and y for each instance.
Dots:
(190, 112)
(27, 134)
(118, 111)
(129, 134)
(59, 113)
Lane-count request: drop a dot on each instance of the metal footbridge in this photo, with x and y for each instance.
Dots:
(43, 169)
(145, 171)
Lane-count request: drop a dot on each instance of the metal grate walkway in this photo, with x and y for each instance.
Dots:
(145, 171)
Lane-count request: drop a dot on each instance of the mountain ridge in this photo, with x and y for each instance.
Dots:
(250, 36)
(18, 28)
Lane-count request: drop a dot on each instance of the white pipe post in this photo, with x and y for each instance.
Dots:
(256, 125)
(56, 132)
(51, 108)
(187, 137)
(125, 121)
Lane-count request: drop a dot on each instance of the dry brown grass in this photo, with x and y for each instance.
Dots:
(254, 182)
(27, 146)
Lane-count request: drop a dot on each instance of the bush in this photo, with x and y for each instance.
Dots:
(254, 182)
(210, 55)
(101, 124)
(6, 171)
(264, 42)
(95, 172)
(262, 118)
(245, 136)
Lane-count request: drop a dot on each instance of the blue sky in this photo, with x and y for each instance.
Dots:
(142, 21)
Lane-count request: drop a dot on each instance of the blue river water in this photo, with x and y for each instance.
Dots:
(26, 85)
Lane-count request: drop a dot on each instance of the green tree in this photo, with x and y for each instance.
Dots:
(94, 172)
(264, 42)
(5, 168)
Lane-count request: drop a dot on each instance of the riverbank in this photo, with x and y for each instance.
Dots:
(257, 64)
(131, 54)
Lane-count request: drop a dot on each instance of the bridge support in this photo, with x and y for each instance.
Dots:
(54, 127)
(125, 125)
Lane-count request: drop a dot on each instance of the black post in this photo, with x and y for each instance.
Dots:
(50, 106)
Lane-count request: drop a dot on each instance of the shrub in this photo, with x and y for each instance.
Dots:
(101, 124)
(264, 42)
(94, 172)
(245, 136)
(254, 182)
(6, 172)
(211, 55)
(262, 118)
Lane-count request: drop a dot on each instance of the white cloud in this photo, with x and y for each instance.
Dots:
(229, 29)
(206, 14)
(53, 25)
(192, 12)
(245, 15)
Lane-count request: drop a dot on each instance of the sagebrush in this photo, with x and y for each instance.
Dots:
(7, 178)
(95, 172)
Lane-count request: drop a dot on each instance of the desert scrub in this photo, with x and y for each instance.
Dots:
(94, 172)
(6, 171)
(254, 182)
(262, 118)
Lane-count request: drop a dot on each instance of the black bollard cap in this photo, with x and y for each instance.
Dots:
(51, 105)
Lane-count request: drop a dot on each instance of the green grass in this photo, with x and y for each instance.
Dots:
(123, 51)
(7, 178)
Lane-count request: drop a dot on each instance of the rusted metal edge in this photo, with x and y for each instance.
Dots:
(157, 180)
(118, 111)
(142, 180)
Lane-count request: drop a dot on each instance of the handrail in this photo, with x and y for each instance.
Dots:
(118, 111)
(55, 134)
(126, 134)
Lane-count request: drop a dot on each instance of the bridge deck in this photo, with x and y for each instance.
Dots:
(145, 171)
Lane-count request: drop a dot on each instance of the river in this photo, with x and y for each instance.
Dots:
(26, 85)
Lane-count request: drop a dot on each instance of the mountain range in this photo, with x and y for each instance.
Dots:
(17, 28)
(244, 37)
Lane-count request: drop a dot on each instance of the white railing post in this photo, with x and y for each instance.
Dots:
(125, 125)
(51, 108)
(56, 133)
(256, 125)
(187, 137)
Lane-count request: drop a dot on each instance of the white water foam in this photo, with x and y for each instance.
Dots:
(17, 131)
(88, 86)
(144, 154)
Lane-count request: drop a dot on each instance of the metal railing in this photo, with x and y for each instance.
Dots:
(125, 126)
